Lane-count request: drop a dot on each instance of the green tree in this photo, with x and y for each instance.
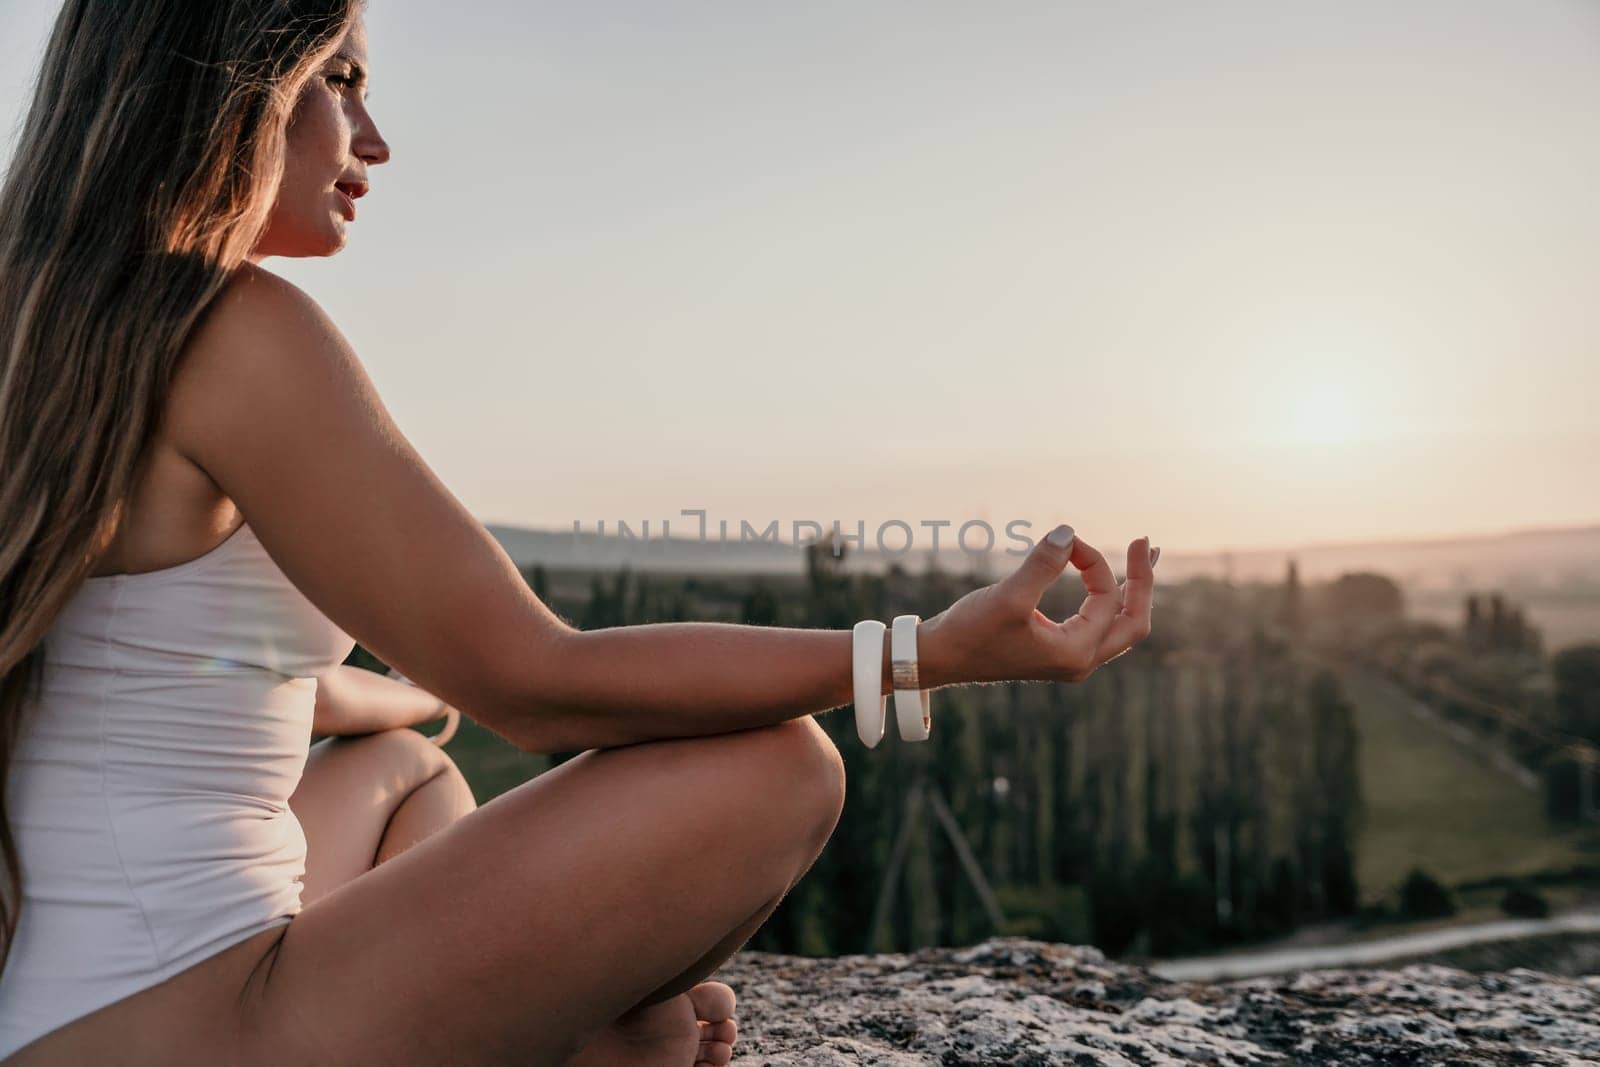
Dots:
(1576, 671)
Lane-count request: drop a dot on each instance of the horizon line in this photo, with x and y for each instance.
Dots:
(1435, 540)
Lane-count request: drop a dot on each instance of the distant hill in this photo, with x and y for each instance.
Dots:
(1561, 560)
(1553, 574)
(565, 550)
(1565, 560)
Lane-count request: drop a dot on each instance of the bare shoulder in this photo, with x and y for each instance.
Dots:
(265, 356)
(261, 332)
(255, 296)
(256, 304)
(271, 402)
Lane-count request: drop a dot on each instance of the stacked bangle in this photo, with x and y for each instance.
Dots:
(910, 699)
(867, 677)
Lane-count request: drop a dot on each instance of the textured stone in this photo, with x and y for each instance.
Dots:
(1031, 1003)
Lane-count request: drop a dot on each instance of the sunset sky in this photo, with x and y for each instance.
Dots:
(1230, 275)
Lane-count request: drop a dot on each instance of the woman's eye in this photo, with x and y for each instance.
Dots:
(345, 81)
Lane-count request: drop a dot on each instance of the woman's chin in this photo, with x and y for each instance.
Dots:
(308, 241)
(335, 238)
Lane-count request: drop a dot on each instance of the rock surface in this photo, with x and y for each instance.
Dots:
(1017, 1001)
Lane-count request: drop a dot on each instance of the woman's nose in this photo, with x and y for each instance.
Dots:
(374, 150)
(370, 145)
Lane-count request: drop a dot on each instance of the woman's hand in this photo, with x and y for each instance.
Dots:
(998, 633)
(450, 715)
(353, 700)
(452, 719)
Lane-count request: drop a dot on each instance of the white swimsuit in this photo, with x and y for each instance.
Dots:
(149, 795)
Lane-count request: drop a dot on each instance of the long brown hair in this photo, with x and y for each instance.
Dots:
(143, 176)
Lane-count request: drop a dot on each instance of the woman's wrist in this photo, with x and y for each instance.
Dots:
(934, 666)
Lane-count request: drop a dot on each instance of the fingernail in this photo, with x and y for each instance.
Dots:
(1061, 536)
(1155, 554)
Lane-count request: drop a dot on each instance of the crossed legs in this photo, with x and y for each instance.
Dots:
(524, 929)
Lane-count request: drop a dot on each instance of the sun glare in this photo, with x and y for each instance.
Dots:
(1319, 406)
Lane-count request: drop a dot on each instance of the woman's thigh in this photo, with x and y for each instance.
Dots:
(350, 791)
(513, 935)
(519, 931)
(191, 1018)
(344, 802)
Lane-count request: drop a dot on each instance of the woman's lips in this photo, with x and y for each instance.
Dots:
(349, 204)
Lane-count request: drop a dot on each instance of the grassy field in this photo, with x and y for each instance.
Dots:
(1434, 804)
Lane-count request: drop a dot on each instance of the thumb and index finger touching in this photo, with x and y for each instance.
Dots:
(1132, 623)
(1105, 600)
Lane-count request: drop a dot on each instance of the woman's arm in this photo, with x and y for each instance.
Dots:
(271, 401)
(683, 679)
(351, 700)
(626, 684)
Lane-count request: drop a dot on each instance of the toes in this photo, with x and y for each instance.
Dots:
(715, 1054)
(713, 1001)
(726, 1031)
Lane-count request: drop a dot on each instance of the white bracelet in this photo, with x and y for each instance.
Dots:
(867, 677)
(910, 699)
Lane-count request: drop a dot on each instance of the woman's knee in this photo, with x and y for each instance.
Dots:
(407, 754)
(388, 766)
(789, 776)
(808, 770)
(421, 763)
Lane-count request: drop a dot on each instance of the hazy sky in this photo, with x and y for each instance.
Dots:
(1233, 274)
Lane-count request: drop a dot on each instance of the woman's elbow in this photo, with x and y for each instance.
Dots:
(524, 708)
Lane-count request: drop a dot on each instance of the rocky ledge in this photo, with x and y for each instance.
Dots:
(1023, 1002)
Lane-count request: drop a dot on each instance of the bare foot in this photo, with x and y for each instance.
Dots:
(693, 1029)
(713, 1009)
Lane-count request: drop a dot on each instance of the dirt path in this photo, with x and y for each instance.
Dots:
(1358, 953)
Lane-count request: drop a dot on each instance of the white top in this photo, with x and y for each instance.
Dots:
(149, 795)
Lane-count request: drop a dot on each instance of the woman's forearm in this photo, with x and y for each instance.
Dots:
(351, 700)
(573, 690)
(628, 684)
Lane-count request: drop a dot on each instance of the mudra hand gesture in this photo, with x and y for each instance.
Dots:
(998, 633)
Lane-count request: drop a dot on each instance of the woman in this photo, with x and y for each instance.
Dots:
(206, 504)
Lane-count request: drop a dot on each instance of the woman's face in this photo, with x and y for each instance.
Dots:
(332, 141)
